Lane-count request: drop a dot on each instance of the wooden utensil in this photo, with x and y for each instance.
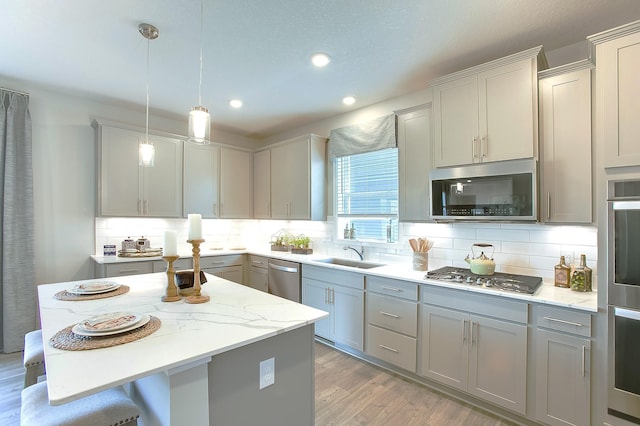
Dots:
(414, 244)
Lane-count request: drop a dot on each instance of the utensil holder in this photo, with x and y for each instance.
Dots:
(420, 261)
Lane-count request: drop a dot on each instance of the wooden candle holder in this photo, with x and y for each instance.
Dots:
(196, 297)
(171, 291)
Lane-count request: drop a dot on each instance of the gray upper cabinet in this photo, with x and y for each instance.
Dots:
(565, 146)
(262, 184)
(201, 165)
(236, 182)
(128, 189)
(489, 112)
(298, 170)
(414, 162)
(618, 94)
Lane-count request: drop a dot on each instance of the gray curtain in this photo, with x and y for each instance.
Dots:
(372, 135)
(18, 292)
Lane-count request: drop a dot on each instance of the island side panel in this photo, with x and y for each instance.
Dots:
(234, 394)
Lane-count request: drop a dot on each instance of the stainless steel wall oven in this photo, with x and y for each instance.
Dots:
(623, 291)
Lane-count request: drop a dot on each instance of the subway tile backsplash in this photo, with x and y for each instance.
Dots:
(530, 249)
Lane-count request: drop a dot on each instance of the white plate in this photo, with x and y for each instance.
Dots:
(143, 320)
(94, 287)
(109, 322)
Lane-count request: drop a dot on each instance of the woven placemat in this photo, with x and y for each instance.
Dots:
(65, 295)
(68, 340)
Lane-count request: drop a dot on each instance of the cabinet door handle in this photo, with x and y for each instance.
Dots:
(140, 212)
(465, 330)
(548, 205)
(326, 296)
(145, 207)
(215, 209)
(483, 147)
(563, 321)
(474, 336)
(389, 315)
(474, 151)
(333, 296)
(388, 348)
(584, 349)
(398, 290)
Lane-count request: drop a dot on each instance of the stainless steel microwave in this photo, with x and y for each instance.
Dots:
(504, 191)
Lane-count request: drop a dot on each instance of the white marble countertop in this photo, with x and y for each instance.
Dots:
(235, 316)
(546, 294)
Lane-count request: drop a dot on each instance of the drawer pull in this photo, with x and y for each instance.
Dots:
(389, 315)
(257, 262)
(388, 348)
(563, 321)
(384, 287)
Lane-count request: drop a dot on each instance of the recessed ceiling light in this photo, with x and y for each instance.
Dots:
(235, 103)
(348, 100)
(320, 60)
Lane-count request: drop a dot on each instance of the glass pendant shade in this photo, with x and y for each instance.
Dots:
(199, 125)
(147, 154)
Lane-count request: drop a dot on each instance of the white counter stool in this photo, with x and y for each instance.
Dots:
(110, 407)
(33, 359)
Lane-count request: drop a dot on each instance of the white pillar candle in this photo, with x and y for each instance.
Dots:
(195, 227)
(170, 243)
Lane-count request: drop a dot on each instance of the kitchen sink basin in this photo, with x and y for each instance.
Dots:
(350, 263)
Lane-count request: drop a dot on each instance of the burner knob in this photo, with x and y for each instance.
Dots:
(479, 281)
(458, 278)
(488, 283)
(469, 280)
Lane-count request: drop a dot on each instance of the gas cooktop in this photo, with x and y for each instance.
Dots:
(498, 281)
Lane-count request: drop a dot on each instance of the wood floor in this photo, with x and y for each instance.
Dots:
(348, 392)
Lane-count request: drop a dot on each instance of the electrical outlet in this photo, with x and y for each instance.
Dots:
(267, 372)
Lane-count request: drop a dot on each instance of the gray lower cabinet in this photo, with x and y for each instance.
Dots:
(259, 272)
(120, 269)
(563, 367)
(477, 344)
(392, 326)
(341, 293)
(228, 267)
(178, 265)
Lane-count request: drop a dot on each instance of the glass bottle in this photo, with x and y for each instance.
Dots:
(562, 274)
(352, 233)
(346, 231)
(581, 278)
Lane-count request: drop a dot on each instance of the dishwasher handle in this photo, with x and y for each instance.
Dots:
(283, 268)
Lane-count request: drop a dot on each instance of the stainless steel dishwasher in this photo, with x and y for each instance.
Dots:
(284, 279)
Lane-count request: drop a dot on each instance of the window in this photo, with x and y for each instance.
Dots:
(366, 188)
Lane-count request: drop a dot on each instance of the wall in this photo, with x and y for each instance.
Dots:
(529, 249)
(64, 173)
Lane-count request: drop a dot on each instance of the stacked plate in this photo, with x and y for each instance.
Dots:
(110, 324)
(94, 287)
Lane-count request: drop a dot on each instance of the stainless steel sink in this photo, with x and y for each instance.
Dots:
(350, 263)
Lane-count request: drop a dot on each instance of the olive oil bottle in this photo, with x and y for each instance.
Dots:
(581, 278)
(562, 274)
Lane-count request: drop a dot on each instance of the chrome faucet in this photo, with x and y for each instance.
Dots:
(360, 253)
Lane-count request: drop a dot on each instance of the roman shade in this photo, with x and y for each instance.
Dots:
(372, 135)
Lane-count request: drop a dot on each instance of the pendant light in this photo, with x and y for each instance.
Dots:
(146, 149)
(199, 117)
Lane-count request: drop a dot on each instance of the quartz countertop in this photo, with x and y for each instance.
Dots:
(546, 294)
(235, 316)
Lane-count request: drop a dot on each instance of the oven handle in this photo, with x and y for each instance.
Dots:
(626, 313)
(282, 268)
(625, 204)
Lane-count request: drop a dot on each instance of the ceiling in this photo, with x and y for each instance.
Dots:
(259, 50)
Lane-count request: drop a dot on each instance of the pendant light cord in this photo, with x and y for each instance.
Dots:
(147, 123)
(200, 82)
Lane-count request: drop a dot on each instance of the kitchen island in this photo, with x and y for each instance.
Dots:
(202, 366)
